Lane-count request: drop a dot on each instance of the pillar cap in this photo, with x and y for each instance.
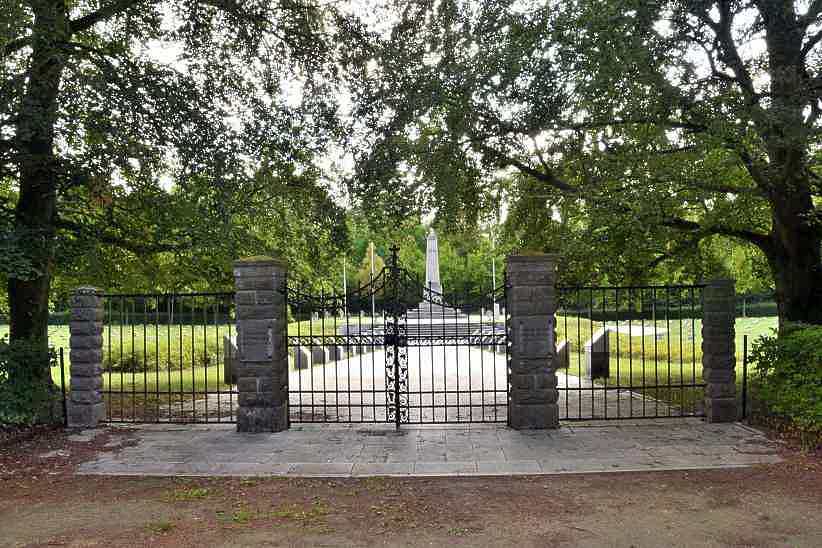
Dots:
(721, 282)
(259, 260)
(532, 257)
(88, 290)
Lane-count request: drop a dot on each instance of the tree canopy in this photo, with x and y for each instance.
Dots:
(140, 138)
(646, 128)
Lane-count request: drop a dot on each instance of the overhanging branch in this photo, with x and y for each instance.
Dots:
(763, 241)
(141, 248)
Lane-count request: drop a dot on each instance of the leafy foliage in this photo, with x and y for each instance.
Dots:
(146, 145)
(24, 397)
(789, 376)
(623, 133)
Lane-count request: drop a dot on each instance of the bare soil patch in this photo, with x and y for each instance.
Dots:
(44, 503)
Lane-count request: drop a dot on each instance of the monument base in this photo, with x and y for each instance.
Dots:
(428, 310)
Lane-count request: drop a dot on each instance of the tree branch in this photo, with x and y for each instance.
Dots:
(546, 177)
(763, 241)
(681, 248)
(138, 247)
(814, 9)
(109, 10)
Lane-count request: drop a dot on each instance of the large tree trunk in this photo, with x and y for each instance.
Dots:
(39, 172)
(794, 253)
(795, 257)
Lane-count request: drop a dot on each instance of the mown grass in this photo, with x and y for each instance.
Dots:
(148, 359)
(650, 365)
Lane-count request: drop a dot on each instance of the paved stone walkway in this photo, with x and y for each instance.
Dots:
(454, 384)
(459, 450)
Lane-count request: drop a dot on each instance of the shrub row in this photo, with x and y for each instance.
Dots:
(788, 379)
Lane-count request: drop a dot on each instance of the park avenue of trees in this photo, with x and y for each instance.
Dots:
(665, 140)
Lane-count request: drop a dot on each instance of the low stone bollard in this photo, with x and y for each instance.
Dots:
(563, 355)
(302, 358)
(319, 355)
(230, 359)
(597, 355)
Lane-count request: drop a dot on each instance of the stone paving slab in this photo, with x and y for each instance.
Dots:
(333, 450)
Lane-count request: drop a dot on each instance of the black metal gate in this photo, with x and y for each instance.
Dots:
(398, 352)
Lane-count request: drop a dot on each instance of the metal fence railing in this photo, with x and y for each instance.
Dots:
(165, 357)
(629, 352)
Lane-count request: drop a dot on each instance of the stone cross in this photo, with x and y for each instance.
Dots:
(432, 263)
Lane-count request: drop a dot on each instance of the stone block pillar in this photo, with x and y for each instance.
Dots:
(532, 394)
(262, 356)
(718, 351)
(85, 406)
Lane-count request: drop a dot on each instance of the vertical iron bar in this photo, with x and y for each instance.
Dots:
(681, 349)
(394, 304)
(668, 341)
(193, 363)
(63, 387)
(157, 353)
(321, 313)
(506, 314)
(431, 343)
(180, 358)
(656, 354)
(145, 354)
(205, 355)
(631, 353)
(642, 328)
(591, 325)
(744, 376)
(616, 307)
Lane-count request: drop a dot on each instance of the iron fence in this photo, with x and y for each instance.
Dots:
(167, 357)
(629, 352)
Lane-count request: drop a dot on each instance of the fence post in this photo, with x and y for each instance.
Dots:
(85, 406)
(262, 357)
(718, 351)
(532, 394)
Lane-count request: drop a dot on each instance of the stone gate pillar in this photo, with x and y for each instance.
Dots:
(718, 351)
(532, 394)
(85, 407)
(262, 356)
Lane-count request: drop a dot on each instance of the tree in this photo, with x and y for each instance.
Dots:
(654, 125)
(102, 143)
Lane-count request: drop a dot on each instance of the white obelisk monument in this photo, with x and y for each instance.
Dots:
(432, 263)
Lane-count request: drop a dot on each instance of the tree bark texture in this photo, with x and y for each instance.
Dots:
(39, 172)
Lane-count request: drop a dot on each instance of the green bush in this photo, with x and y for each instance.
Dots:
(788, 377)
(25, 397)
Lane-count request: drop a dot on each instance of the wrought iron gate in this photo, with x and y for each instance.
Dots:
(352, 355)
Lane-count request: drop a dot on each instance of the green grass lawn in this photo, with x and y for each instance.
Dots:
(648, 365)
(148, 359)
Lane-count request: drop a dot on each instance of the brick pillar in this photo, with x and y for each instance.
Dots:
(532, 394)
(718, 351)
(262, 357)
(85, 406)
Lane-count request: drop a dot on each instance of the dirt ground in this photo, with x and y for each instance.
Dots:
(42, 503)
